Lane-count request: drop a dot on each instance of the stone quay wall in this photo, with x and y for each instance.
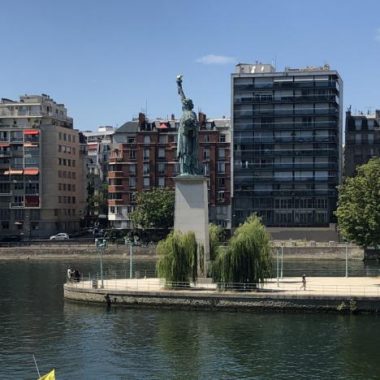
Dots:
(219, 301)
(292, 250)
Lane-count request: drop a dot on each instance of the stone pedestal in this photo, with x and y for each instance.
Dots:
(191, 211)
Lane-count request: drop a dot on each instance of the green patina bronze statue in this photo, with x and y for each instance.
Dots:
(187, 145)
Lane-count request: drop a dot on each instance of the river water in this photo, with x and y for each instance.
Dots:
(91, 342)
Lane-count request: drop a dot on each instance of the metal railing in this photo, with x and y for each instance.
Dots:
(288, 287)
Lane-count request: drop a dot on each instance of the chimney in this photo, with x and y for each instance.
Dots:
(202, 119)
(172, 117)
(141, 120)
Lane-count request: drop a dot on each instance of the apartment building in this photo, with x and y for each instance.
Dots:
(143, 156)
(42, 191)
(98, 145)
(287, 138)
(362, 140)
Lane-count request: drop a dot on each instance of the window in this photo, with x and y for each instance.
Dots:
(132, 154)
(206, 169)
(132, 182)
(161, 168)
(146, 169)
(131, 140)
(221, 153)
(161, 181)
(221, 182)
(146, 182)
(146, 139)
(222, 138)
(161, 153)
(132, 169)
(162, 139)
(146, 153)
(221, 167)
(207, 139)
(206, 153)
(221, 196)
(358, 124)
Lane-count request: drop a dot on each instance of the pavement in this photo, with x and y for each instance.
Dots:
(315, 286)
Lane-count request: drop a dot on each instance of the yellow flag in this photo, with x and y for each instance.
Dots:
(48, 376)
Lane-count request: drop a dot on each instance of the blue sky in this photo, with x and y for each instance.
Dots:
(109, 60)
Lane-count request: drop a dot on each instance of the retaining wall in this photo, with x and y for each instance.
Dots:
(224, 301)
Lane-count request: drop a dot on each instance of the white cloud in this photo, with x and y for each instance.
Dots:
(212, 59)
(377, 35)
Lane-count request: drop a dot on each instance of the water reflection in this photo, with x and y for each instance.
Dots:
(87, 341)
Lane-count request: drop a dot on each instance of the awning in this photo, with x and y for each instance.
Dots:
(13, 172)
(31, 171)
(29, 145)
(31, 132)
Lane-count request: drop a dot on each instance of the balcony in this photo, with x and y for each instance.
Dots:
(116, 202)
(116, 189)
(119, 174)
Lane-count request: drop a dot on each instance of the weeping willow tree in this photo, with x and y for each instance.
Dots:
(177, 260)
(215, 237)
(247, 258)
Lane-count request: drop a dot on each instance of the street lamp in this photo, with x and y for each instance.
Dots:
(101, 245)
(130, 243)
(282, 259)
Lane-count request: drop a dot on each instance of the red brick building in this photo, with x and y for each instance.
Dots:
(143, 156)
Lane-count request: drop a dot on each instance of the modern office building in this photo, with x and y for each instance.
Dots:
(362, 140)
(287, 138)
(143, 157)
(42, 191)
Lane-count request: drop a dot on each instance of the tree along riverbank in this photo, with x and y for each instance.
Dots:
(87, 251)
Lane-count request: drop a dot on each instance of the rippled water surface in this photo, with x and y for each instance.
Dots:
(89, 342)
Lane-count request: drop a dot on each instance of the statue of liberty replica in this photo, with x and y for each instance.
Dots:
(187, 146)
(191, 195)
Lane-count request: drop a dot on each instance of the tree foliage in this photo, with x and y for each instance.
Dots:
(215, 237)
(177, 260)
(155, 209)
(358, 209)
(247, 258)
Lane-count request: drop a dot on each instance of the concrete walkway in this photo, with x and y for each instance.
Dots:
(315, 286)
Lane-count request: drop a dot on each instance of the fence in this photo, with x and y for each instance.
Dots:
(317, 286)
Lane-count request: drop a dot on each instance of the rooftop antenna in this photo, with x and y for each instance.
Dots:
(146, 107)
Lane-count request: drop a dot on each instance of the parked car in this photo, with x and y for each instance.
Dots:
(10, 238)
(60, 236)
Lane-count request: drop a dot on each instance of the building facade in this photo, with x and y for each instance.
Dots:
(143, 157)
(362, 140)
(287, 138)
(98, 146)
(42, 191)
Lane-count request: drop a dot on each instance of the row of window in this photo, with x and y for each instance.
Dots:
(66, 149)
(66, 174)
(66, 137)
(66, 186)
(163, 139)
(66, 162)
(66, 200)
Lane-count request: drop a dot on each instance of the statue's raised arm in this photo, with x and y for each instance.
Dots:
(180, 89)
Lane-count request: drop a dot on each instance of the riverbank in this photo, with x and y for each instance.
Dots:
(87, 251)
(322, 294)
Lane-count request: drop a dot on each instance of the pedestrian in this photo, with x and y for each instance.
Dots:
(69, 274)
(303, 286)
